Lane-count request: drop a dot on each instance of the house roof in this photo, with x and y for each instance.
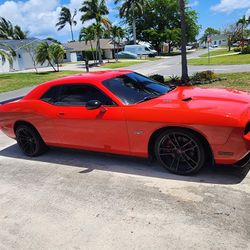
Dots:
(219, 37)
(18, 44)
(83, 46)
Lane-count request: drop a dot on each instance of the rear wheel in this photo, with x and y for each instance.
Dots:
(29, 141)
(180, 151)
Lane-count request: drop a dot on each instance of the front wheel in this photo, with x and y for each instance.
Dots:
(29, 141)
(180, 151)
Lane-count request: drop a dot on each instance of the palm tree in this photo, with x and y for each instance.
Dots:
(117, 33)
(19, 34)
(7, 31)
(96, 10)
(114, 34)
(129, 9)
(7, 53)
(121, 34)
(184, 76)
(56, 52)
(43, 54)
(66, 17)
(243, 23)
(88, 35)
(98, 31)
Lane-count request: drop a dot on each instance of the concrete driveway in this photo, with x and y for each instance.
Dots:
(78, 200)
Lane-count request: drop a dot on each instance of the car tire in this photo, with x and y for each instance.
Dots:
(180, 151)
(29, 141)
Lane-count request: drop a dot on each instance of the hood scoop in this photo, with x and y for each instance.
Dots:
(187, 99)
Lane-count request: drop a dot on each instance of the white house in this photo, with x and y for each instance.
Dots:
(217, 40)
(75, 50)
(220, 40)
(25, 51)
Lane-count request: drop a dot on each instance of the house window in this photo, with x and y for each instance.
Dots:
(65, 56)
(220, 42)
(19, 56)
(3, 60)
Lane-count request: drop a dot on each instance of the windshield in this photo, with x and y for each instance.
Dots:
(134, 88)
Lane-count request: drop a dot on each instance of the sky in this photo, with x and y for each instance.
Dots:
(40, 16)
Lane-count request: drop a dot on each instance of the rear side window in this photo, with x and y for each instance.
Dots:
(51, 95)
(75, 95)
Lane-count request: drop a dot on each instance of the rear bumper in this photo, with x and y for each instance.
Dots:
(245, 161)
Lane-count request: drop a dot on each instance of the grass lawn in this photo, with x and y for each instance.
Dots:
(234, 80)
(218, 52)
(12, 81)
(115, 65)
(226, 60)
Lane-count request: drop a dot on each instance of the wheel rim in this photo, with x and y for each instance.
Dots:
(26, 141)
(179, 152)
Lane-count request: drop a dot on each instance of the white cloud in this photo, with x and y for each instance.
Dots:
(231, 5)
(39, 17)
(248, 13)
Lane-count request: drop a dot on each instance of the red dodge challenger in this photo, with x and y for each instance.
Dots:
(122, 112)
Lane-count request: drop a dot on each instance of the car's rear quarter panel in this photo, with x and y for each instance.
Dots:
(34, 112)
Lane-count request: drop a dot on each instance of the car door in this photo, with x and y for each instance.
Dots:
(102, 129)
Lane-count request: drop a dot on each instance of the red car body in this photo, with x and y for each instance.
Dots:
(220, 116)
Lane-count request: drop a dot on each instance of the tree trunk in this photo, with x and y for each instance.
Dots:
(134, 30)
(87, 63)
(34, 64)
(115, 56)
(93, 54)
(51, 64)
(72, 35)
(229, 44)
(184, 76)
(169, 48)
(99, 51)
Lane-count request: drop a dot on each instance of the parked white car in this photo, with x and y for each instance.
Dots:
(140, 50)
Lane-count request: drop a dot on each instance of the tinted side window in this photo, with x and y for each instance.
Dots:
(51, 94)
(75, 95)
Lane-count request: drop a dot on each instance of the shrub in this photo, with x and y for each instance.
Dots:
(158, 78)
(175, 80)
(246, 50)
(238, 49)
(204, 76)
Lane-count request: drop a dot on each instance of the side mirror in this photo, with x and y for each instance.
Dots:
(93, 104)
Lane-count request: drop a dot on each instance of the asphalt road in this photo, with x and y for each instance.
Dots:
(78, 200)
(172, 66)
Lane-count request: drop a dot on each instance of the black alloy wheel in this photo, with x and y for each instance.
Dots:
(180, 151)
(29, 141)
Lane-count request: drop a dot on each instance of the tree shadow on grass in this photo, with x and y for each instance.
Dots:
(90, 161)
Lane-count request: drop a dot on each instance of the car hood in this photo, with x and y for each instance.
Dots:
(224, 102)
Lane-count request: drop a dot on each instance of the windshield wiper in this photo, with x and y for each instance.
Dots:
(147, 98)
